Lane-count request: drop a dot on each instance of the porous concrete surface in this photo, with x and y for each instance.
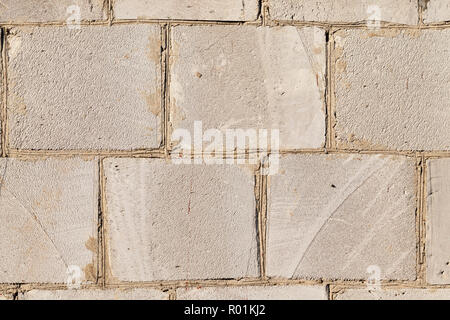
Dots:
(392, 89)
(293, 292)
(48, 214)
(97, 88)
(357, 211)
(94, 116)
(394, 294)
(438, 221)
(21, 11)
(229, 10)
(250, 77)
(436, 11)
(345, 11)
(96, 294)
(4, 296)
(176, 222)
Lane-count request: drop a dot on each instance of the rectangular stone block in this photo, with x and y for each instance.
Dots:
(48, 219)
(292, 292)
(19, 11)
(341, 217)
(345, 11)
(435, 11)
(249, 78)
(96, 294)
(394, 294)
(392, 89)
(438, 221)
(84, 89)
(230, 10)
(175, 222)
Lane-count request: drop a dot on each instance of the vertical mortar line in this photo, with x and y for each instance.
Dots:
(422, 218)
(101, 270)
(259, 217)
(263, 222)
(173, 293)
(420, 12)
(328, 291)
(3, 112)
(110, 12)
(327, 90)
(15, 294)
(259, 17)
(165, 69)
(418, 213)
(329, 93)
(264, 12)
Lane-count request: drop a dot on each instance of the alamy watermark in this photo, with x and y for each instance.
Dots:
(74, 276)
(74, 17)
(229, 146)
(374, 279)
(374, 19)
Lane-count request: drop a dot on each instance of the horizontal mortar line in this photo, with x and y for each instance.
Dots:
(186, 21)
(51, 286)
(410, 153)
(160, 153)
(223, 283)
(389, 286)
(69, 153)
(430, 155)
(53, 23)
(357, 25)
(129, 21)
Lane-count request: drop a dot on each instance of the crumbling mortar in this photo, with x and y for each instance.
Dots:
(165, 61)
(260, 15)
(420, 194)
(100, 226)
(176, 284)
(110, 10)
(329, 134)
(267, 22)
(4, 90)
(262, 217)
(160, 154)
(422, 6)
(422, 221)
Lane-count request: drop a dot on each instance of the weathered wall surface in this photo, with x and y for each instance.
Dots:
(97, 201)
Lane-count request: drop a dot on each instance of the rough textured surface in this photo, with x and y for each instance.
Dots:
(48, 213)
(250, 77)
(167, 221)
(394, 294)
(436, 11)
(294, 292)
(96, 294)
(392, 89)
(84, 89)
(438, 219)
(135, 78)
(1, 95)
(333, 223)
(398, 11)
(19, 11)
(230, 10)
(5, 296)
